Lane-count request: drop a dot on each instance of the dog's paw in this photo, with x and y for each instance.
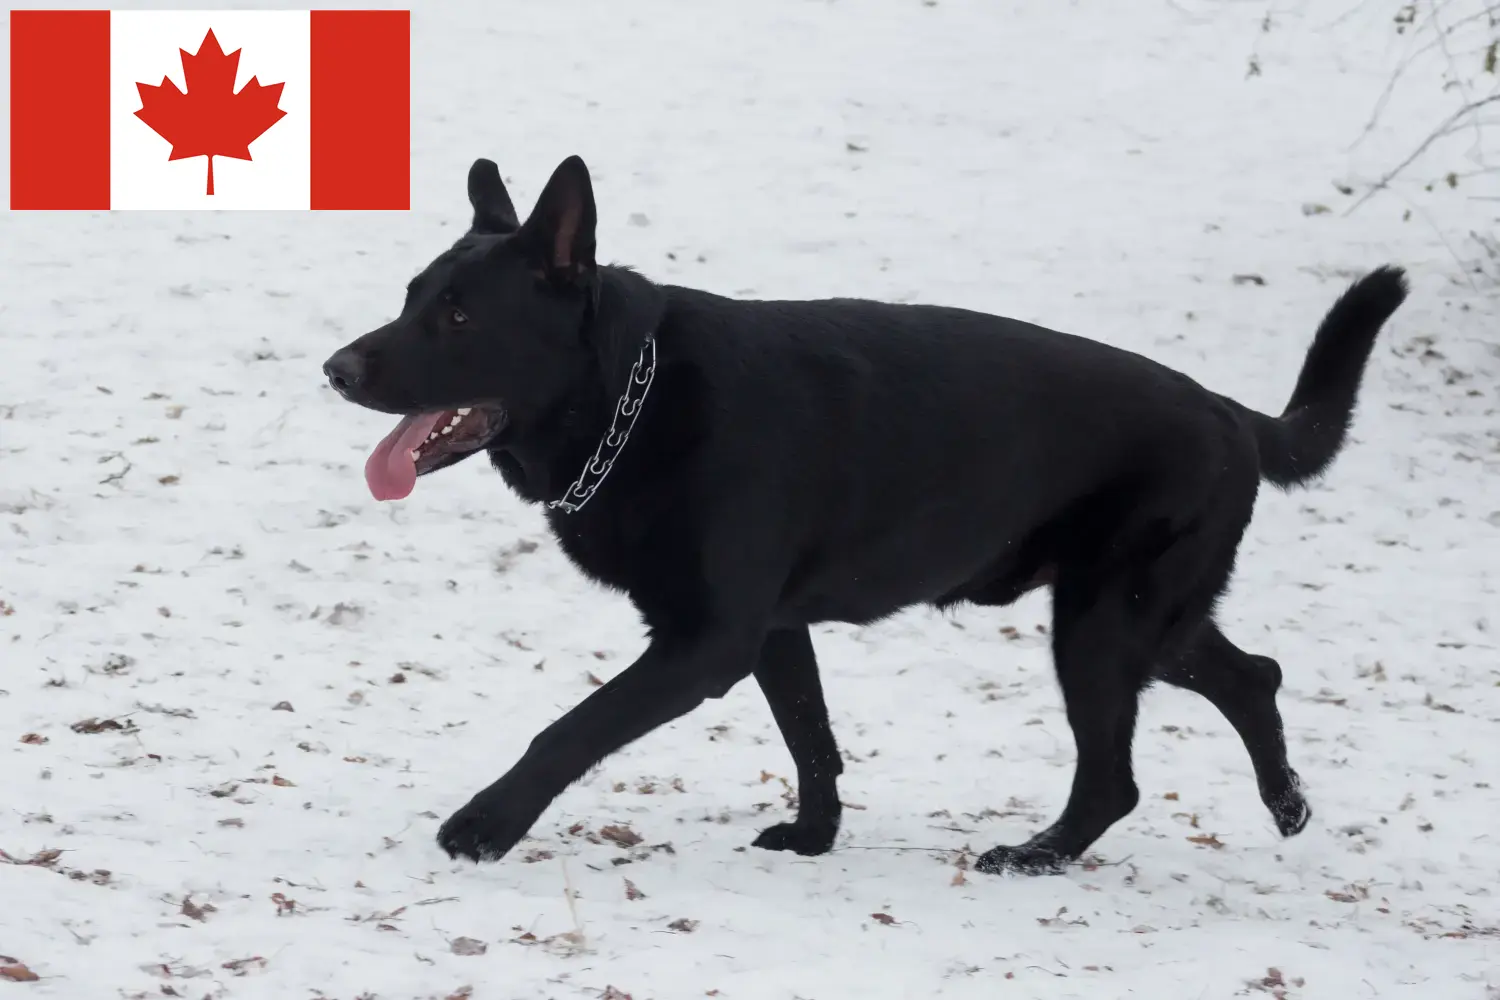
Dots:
(480, 832)
(1290, 810)
(806, 839)
(1024, 859)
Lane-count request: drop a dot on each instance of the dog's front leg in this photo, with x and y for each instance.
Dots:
(788, 676)
(669, 680)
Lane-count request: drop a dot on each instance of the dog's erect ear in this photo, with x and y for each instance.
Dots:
(493, 212)
(560, 231)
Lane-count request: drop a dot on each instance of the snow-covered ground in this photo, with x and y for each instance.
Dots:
(296, 683)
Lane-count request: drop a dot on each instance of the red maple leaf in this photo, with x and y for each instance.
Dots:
(210, 119)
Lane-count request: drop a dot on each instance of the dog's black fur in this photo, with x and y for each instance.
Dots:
(802, 462)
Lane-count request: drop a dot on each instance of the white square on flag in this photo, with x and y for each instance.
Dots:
(211, 109)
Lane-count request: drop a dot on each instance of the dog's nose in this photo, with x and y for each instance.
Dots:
(346, 369)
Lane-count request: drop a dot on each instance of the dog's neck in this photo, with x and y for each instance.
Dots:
(543, 462)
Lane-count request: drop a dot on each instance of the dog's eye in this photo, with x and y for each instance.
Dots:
(457, 317)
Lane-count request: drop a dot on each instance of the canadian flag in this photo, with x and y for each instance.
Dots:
(210, 109)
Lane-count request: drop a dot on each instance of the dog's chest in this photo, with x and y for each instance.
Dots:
(652, 560)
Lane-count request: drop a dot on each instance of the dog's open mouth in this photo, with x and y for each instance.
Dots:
(427, 441)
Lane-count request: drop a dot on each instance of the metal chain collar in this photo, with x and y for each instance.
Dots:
(626, 411)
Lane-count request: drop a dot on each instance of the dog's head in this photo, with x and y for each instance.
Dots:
(491, 334)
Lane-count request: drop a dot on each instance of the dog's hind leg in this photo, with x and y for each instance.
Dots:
(1243, 687)
(787, 672)
(1102, 664)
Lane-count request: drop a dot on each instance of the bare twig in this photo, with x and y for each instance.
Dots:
(116, 477)
(1444, 129)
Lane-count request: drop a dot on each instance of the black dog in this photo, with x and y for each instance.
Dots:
(762, 466)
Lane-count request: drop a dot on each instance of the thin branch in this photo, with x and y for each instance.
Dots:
(1489, 13)
(1436, 134)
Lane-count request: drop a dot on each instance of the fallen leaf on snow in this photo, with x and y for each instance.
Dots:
(610, 993)
(34, 739)
(683, 925)
(90, 726)
(631, 892)
(468, 946)
(622, 835)
(884, 918)
(244, 966)
(1349, 894)
(196, 912)
(40, 859)
(1208, 840)
(18, 973)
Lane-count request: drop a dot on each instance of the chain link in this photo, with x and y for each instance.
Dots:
(627, 409)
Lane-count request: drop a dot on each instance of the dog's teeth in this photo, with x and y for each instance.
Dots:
(433, 435)
(416, 453)
(446, 430)
(454, 422)
(464, 411)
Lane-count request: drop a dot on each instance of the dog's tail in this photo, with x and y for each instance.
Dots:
(1301, 443)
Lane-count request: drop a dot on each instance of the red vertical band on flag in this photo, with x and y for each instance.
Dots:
(59, 109)
(361, 109)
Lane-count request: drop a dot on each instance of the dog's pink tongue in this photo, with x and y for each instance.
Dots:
(390, 470)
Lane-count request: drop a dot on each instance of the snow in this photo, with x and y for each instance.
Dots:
(188, 544)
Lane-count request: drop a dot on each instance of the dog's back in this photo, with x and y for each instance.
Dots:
(912, 446)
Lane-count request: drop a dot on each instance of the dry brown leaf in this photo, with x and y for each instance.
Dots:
(631, 892)
(621, 835)
(18, 973)
(1208, 840)
(884, 918)
(611, 993)
(91, 726)
(683, 925)
(34, 739)
(196, 912)
(243, 966)
(281, 782)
